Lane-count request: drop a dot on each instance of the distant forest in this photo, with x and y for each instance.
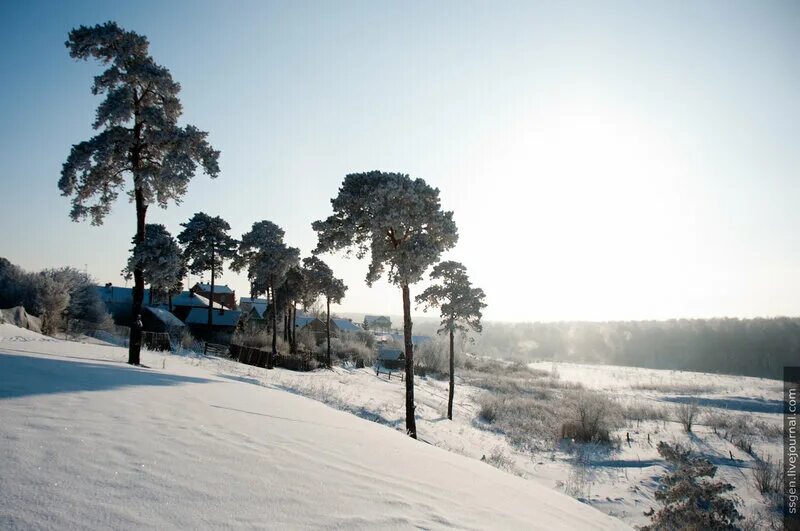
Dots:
(751, 347)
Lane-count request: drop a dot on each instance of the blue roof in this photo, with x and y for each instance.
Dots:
(302, 321)
(199, 316)
(165, 317)
(371, 318)
(218, 288)
(390, 354)
(118, 294)
(346, 324)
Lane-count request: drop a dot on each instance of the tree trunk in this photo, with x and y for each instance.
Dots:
(452, 378)
(135, 342)
(328, 330)
(274, 350)
(150, 295)
(285, 326)
(169, 298)
(211, 294)
(294, 327)
(411, 423)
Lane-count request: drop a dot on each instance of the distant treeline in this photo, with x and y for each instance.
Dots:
(751, 347)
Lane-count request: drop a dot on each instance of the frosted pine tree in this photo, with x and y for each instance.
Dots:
(207, 246)
(139, 139)
(322, 282)
(689, 501)
(460, 305)
(400, 223)
(161, 260)
(267, 259)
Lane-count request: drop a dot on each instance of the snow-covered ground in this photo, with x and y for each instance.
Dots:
(89, 442)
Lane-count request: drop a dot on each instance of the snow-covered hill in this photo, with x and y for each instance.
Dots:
(89, 442)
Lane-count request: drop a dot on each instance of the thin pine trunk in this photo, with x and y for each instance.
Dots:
(328, 330)
(135, 342)
(274, 350)
(211, 295)
(411, 423)
(452, 378)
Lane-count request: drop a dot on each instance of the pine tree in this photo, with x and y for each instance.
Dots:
(161, 259)
(460, 305)
(267, 259)
(207, 245)
(689, 501)
(139, 136)
(322, 282)
(400, 223)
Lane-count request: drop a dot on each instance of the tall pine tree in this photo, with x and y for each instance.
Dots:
(322, 282)
(461, 308)
(400, 223)
(207, 246)
(139, 137)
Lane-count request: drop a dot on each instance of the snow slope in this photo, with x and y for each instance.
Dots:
(89, 442)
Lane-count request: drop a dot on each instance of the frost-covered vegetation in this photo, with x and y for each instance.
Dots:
(748, 347)
(65, 299)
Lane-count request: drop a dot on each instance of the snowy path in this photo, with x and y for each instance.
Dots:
(88, 443)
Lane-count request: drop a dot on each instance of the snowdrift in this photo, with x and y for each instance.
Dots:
(91, 443)
(17, 316)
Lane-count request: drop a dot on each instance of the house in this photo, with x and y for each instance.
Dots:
(222, 320)
(185, 301)
(389, 359)
(161, 320)
(399, 339)
(254, 313)
(245, 303)
(119, 302)
(345, 325)
(163, 326)
(377, 323)
(222, 294)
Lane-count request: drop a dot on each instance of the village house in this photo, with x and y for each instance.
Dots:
(222, 294)
(377, 323)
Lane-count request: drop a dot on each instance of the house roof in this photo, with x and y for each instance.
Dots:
(251, 300)
(218, 288)
(169, 320)
(187, 298)
(259, 308)
(390, 354)
(118, 294)
(199, 316)
(302, 321)
(346, 324)
(372, 318)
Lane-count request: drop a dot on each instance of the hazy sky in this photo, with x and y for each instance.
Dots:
(604, 160)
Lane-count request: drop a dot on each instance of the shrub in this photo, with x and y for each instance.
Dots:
(686, 413)
(639, 412)
(489, 408)
(498, 459)
(766, 476)
(594, 416)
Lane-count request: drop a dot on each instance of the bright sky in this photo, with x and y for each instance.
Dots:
(605, 160)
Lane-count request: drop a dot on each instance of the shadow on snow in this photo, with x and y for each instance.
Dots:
(29, 376)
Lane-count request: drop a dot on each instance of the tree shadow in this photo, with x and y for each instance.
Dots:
(29, 376)
(734, 403)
